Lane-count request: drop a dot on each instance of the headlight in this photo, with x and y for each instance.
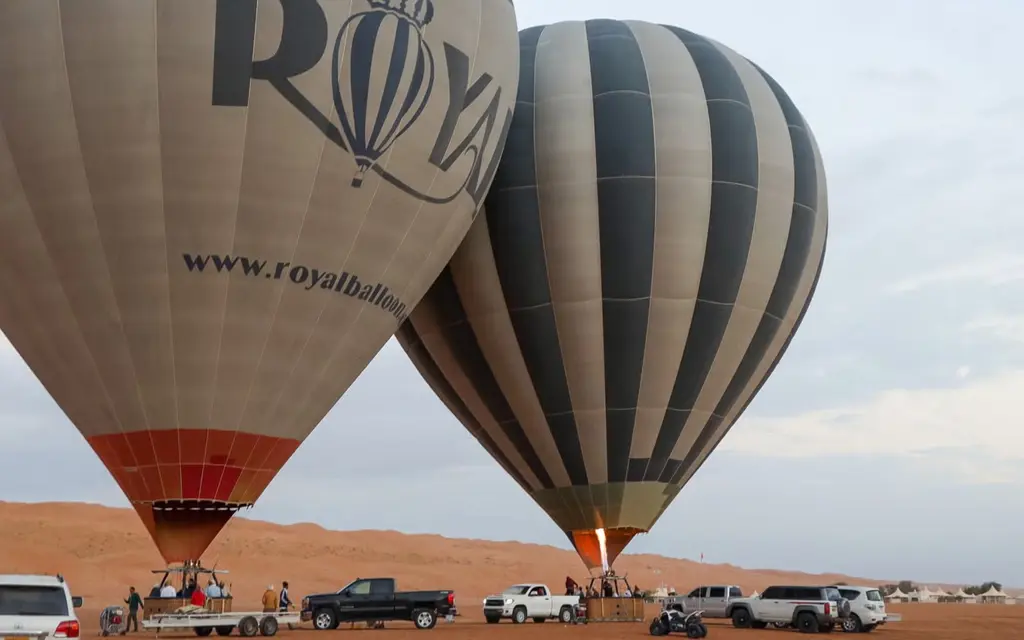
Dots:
(509, 600)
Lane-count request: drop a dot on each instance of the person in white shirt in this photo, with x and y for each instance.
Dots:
(213, 591)
(168, 591)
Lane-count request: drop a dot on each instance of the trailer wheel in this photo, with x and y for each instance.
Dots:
(225, 630)
(268, 626)
(202, 632)
(248, 626)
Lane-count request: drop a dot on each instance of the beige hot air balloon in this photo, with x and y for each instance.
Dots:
(214, 213)
(653, 238)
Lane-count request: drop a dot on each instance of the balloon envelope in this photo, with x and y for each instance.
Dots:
(214, 214)
(649, 246)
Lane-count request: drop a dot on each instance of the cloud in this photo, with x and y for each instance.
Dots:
(1001, 326)
(993, 270)
(971, 431)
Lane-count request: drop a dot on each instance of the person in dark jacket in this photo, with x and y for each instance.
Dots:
(570, 586)
(283, 600)
(134, 602)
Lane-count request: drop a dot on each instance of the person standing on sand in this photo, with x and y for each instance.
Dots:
(570, 586)
(134, 602)
(284, 601)
(269, 600)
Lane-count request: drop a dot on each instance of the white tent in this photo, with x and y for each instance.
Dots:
(924, 595)
(993, 595)
(897, 596)
(941, 593)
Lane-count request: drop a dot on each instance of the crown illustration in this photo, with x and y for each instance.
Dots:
(418, 12)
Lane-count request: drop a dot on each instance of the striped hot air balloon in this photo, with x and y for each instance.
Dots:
(647, 251)
(184, 262)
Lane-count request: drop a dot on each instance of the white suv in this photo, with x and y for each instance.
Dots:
(867, 608)
(37, 607)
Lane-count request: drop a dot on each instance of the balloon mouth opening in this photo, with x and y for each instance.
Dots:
(598, 548)
(198, 505)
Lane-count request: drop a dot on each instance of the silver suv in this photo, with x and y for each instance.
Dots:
(808, 608)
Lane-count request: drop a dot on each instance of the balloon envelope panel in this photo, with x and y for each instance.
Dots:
(214, 213)
(649, 246)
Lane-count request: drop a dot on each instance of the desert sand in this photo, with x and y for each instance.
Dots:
(102, 550)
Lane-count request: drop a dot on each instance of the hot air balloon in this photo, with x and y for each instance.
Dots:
(185, 262)
(649, 246)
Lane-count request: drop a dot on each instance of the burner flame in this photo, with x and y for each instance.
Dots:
(604, 549)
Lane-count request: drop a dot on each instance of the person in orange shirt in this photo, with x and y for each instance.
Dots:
(269, 600)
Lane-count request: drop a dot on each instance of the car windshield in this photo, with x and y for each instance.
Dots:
(517, 589)
(19, 600)
(874, 595)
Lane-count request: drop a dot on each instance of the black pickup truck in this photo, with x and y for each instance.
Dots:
(375, 599)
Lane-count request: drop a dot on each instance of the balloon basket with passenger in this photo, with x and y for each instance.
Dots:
(609, 602)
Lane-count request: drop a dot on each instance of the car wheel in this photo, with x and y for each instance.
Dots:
(852, 624)
(741, 618)
(424, 618)
(519, 615)
(565, 615)
(807, 623)
(324, 620)
(202, 632)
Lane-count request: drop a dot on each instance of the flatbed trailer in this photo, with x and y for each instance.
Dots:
(249, 624)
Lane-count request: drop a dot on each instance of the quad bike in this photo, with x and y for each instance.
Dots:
(672, 621)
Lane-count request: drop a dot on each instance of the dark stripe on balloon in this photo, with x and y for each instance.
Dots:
(794, 259)
(733, 206)
(695, 452)
(624, 145)
(396, 69)
(418, 353)
(513, 218)
(414, 93)
(362, 50)
(465, 348)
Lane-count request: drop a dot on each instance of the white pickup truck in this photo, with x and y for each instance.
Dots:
(522, 601)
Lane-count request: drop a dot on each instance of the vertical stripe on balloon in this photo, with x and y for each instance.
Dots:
(733, 205)
(794, 261)
(514, 219)
(624, 149)
(418, 353)
(458, 334)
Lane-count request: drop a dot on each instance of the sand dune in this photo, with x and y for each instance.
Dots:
(102, 550)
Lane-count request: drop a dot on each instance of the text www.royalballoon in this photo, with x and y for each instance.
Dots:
(343, 283)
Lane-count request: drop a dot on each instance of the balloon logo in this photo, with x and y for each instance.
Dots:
(408, 68)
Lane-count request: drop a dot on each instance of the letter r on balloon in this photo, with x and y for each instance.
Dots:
(406, 91)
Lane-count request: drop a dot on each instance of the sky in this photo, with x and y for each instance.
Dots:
(891, 437)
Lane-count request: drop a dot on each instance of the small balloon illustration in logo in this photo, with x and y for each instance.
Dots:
(383, 75)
